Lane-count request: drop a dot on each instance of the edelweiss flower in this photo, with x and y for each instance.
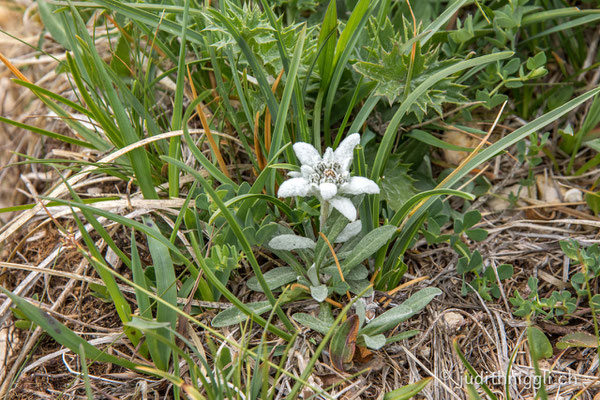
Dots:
(328, 177)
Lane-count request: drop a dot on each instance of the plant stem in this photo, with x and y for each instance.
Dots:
(324, 214)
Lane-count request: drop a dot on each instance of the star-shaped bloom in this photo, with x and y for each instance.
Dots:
(328, 177)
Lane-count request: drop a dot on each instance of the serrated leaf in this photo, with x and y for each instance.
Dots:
(391, 74)
(275, 278)
(397, 186)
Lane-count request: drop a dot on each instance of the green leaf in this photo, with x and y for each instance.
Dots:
(312, 322)
(570, 248)
(374, 342)
(275, 278)
(359, 286)
(595, 302)
(319, 293)
(472, 392)
(343, 343)
(54, 135)
(388, 320)
(166, 287)
(106, 82)
(327, 40)
(539, 345)
(593, 202)
(145, 324)
(413, 201)
(471, 218)
(333, 227)
(441, 20)
(354, 22)
(120, 61)
(578, 339)
(234, 315)
(477, 235)
(403, 336)
(474, 375)
(408, 391)
(368, 245)
(505, 271)
(397, 186)
(312, 275)
(398, 72)
(53, 23)
(343, 50)
(428, 138)
(420, 299)
(282, 111)
(511, 66)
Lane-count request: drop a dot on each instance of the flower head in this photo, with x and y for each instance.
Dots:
(328, 177)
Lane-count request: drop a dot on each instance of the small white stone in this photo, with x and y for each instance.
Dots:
(453, 320)
(573, 196)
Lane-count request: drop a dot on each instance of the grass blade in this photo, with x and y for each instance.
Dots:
(166, 289)
(64, 335)
(84, 372)
(343, 49)
(282, 114)
(175, 142)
